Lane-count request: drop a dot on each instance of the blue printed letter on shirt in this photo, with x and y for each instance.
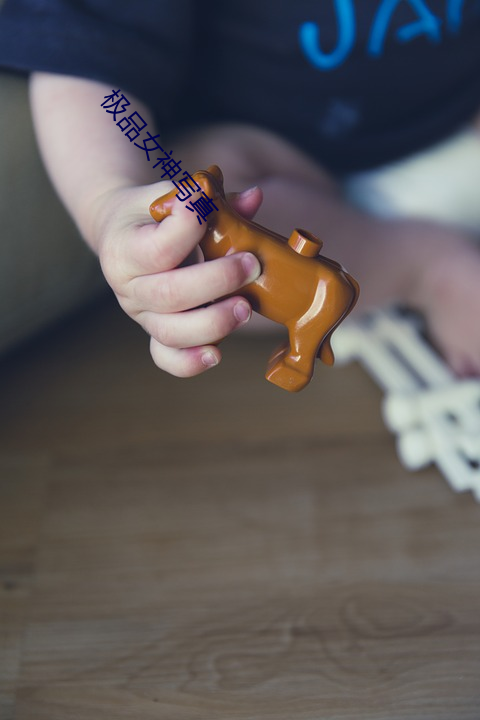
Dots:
(310, 38)
(427, 24)
(454, 15)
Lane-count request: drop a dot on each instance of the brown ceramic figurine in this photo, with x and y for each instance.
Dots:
(307, 293)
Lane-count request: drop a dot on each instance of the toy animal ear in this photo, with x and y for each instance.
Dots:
(217, 174)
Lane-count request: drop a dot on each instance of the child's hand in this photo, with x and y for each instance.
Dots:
(447, 292)
(149, 267)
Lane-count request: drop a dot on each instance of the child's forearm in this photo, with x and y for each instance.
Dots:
(385, 256)
(86, 155)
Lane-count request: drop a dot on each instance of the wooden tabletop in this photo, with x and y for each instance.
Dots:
(218, 549)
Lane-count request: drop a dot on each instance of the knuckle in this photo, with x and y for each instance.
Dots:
(162, 256)
(166, 291)
(126, 304)
(155, 353)
(111, 263)
(218, 321)
(164, 334)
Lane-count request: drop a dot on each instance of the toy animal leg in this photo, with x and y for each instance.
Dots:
(291, 365)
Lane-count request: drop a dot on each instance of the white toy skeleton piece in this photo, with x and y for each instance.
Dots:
(435, 416)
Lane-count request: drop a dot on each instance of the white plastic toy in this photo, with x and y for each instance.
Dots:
(435, 416)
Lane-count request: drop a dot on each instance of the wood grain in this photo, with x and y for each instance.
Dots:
(215, 548)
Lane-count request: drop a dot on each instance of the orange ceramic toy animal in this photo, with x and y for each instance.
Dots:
(307, 293)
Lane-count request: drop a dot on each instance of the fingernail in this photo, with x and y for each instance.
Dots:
(209, 359)
(242, 193)
(242, 312)
(251, 266)
(248, 191)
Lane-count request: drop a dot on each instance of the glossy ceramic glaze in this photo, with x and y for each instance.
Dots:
(298, 288)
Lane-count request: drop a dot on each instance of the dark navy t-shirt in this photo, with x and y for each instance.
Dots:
(355, 83)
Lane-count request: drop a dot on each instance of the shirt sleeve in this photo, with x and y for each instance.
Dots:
(140, 47)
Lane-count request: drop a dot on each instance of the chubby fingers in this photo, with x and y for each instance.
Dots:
(188, 287)
(173, 336)
(202, 326)
(184, 363)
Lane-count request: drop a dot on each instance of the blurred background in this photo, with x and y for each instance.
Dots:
(46, 269)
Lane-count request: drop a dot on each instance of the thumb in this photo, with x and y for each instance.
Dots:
(247, 202)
